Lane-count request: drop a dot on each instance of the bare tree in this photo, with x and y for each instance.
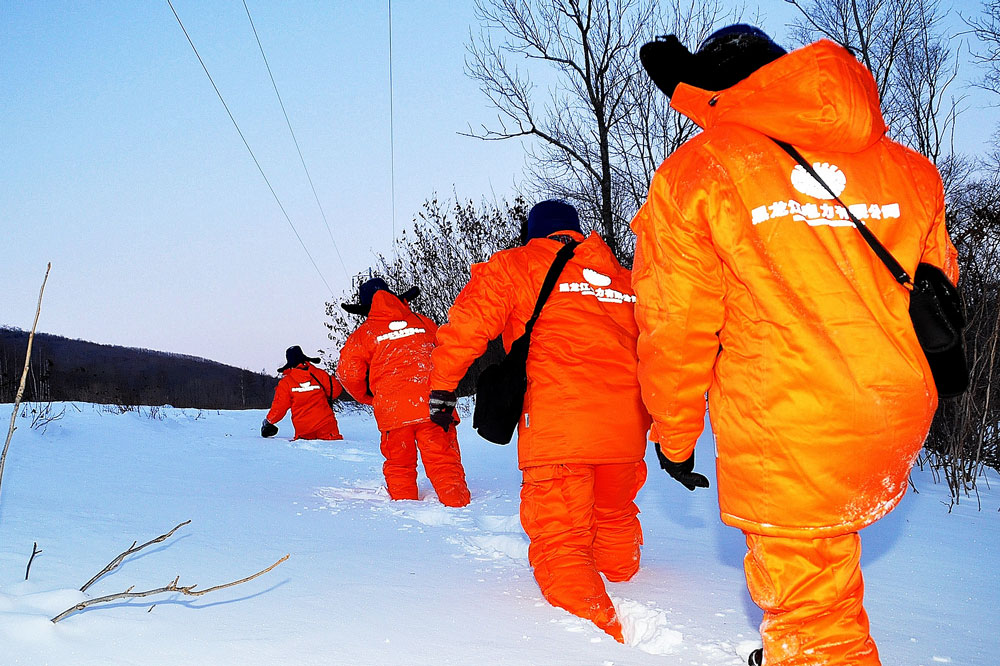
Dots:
(904, 45)
(435, 254)
(592, 46)
(986, 28)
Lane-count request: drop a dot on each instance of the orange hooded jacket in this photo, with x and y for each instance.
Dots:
(307, 390)
(386, 362)
(753, 285)
(583, 402)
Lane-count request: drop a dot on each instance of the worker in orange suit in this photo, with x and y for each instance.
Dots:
(309, 392)
(581, 437)
(385, 363)
(754, 286)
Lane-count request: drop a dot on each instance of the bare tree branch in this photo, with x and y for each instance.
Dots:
(170, 587)
(113, 564)
(34, 551)
(24, 375)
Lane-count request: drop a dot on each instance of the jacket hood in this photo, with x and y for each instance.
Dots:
(386, 305)
(814, 97)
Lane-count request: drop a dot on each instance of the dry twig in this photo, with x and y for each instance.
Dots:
(34, 551)
(113, 564)
(24, 375)
(170, 587)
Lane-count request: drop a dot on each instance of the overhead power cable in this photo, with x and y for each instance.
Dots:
(296, 141)
(392, 143)
(249, 149)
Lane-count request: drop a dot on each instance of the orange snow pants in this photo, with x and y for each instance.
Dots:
(582, 521)
(442, 462)
(811, 592)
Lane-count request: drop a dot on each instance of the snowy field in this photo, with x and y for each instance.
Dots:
(374, 582)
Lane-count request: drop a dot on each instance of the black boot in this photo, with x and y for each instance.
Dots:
(756, 657)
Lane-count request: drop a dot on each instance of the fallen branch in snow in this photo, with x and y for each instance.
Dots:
(34, 551)
(170, 587)
(113, 564)
(24, 375)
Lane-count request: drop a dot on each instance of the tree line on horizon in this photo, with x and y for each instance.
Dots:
(63, 369)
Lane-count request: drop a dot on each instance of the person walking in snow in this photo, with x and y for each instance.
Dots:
(581, 437)
(385, 363)
(309, 392)
(754, 286)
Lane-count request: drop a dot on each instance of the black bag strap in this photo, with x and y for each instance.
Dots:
(901, 276)
(562, 258)
(329, 396)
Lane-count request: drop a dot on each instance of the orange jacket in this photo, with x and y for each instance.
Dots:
(385, 363)
(305, 389)
(583, 402)
(754, 286)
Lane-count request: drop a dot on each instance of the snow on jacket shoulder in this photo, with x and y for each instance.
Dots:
(753, 284)
(583, 402)
(386, 362)
(307, 390)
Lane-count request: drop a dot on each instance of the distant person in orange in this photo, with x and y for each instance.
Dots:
(385, 363)
(582, 436)
(754, 286)
(309, 392)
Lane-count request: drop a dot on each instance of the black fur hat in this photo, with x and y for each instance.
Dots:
(295, 356)
(367, 291)
(725, 58)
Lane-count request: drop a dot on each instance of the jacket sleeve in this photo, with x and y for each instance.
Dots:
(335, 388)
(939, 250)
(352, 368)
(479, 315)
(281, 403)
(678, 282)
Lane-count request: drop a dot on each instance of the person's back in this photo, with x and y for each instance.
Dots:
(815, 334)
(754, 285)
(308, 391)
(386, 363)
(582, 348)
(582, 433)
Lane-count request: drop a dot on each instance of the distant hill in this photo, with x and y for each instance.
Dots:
(65, 369)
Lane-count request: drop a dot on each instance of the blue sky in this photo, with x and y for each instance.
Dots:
(120, 166)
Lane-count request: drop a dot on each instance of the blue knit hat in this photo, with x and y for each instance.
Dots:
(550, 216)
(367, 291)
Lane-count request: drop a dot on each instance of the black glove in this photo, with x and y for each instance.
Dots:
(683, 472)
(442, 404)
(268, 429)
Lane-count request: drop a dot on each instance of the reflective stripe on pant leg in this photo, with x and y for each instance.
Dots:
(811, 592)
(400, 468)
(618, 537)
(443, 463)
(557, 513)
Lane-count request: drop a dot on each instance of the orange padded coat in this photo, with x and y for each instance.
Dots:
(390, 355)
(753, 285)
(307, 391)
(583, 403)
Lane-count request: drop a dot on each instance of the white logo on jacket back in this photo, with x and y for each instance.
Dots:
(399, 329)
(305, 387)
(827, 214)
(831, 175)
(596, 285)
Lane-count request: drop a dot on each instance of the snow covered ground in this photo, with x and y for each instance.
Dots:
(374, 582)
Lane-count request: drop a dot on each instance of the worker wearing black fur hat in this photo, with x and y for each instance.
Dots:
(308, 391)
(754, 285)
(385, 363)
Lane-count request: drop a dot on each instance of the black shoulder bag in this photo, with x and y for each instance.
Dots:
(501, 387)
(935, 303)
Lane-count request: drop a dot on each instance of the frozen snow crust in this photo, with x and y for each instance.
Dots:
(375, 582)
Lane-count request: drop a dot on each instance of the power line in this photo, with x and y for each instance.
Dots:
(245, 143)
(296, 141)
(392, 143)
